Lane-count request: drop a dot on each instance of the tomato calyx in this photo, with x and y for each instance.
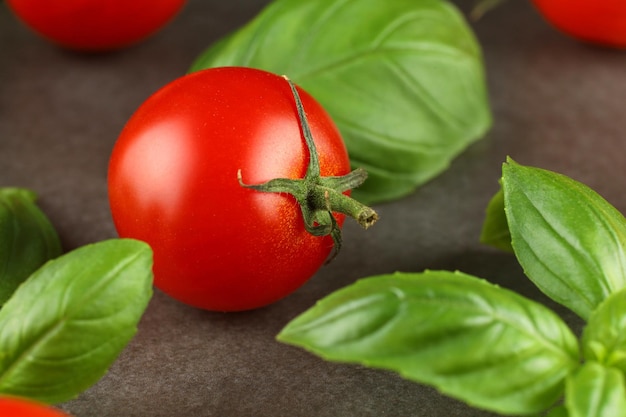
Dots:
(318, 196)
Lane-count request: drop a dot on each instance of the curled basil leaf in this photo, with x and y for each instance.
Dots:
(403, 80)
(595, 390)
(569, 240)
(62, 328)
(495, 231)
(472, 340)
(27, 239)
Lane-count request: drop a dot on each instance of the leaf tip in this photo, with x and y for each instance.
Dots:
(510, 161)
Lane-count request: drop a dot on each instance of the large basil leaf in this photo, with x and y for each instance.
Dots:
(68, 322)
(403, 79)
(472, 340)
(604, 336)
(27, 239)
(569, 240)
(596, 391)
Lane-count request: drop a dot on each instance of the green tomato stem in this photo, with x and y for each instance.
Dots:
(319, 197)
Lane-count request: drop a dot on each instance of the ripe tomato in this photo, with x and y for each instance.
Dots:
(95, 25)
(19, 407)
(173, 183)
(596, 21)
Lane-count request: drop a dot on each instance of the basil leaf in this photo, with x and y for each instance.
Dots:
(404, 81)
(569, 240)
(481, 7)
(472, 340)
(27, 239)
(495, 231)
(69, 321)
(596, 391)
(604, 336)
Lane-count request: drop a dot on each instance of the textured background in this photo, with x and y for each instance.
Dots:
(557, 104)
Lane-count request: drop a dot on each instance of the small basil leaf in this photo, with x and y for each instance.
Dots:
(404, 81)
(569, 240)
(495, 231)
(69, 321)
(604, 336)
(481, 7)
(472, 340)
(27, 239)
(596, 390)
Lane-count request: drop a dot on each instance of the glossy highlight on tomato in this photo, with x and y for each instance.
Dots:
(21, 407)
(601, 22)
(95, 25)
(173, 183)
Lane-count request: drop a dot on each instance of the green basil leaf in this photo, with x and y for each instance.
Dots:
(495, 231)
(69, 321)
(596, 390)
(604, 336)
(472, 340)
(404, 80)
(569, 240)
(27, 239)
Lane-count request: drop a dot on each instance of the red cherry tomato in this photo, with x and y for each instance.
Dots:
(95, 25)
(173, 183)
(600, 22)
(19, 407)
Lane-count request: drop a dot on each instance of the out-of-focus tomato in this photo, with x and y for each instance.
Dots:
(175, 182)
(20, 407)
(95, 25)
(600, 22)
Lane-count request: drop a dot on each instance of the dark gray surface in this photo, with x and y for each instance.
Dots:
(557, 104)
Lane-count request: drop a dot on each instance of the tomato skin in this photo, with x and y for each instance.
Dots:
(601, 22)
(20, 407)
(173, 184)
(95, 25)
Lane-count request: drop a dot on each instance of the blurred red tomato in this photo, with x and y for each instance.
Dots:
(20, 407)
(95, 25)
(600, 22)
